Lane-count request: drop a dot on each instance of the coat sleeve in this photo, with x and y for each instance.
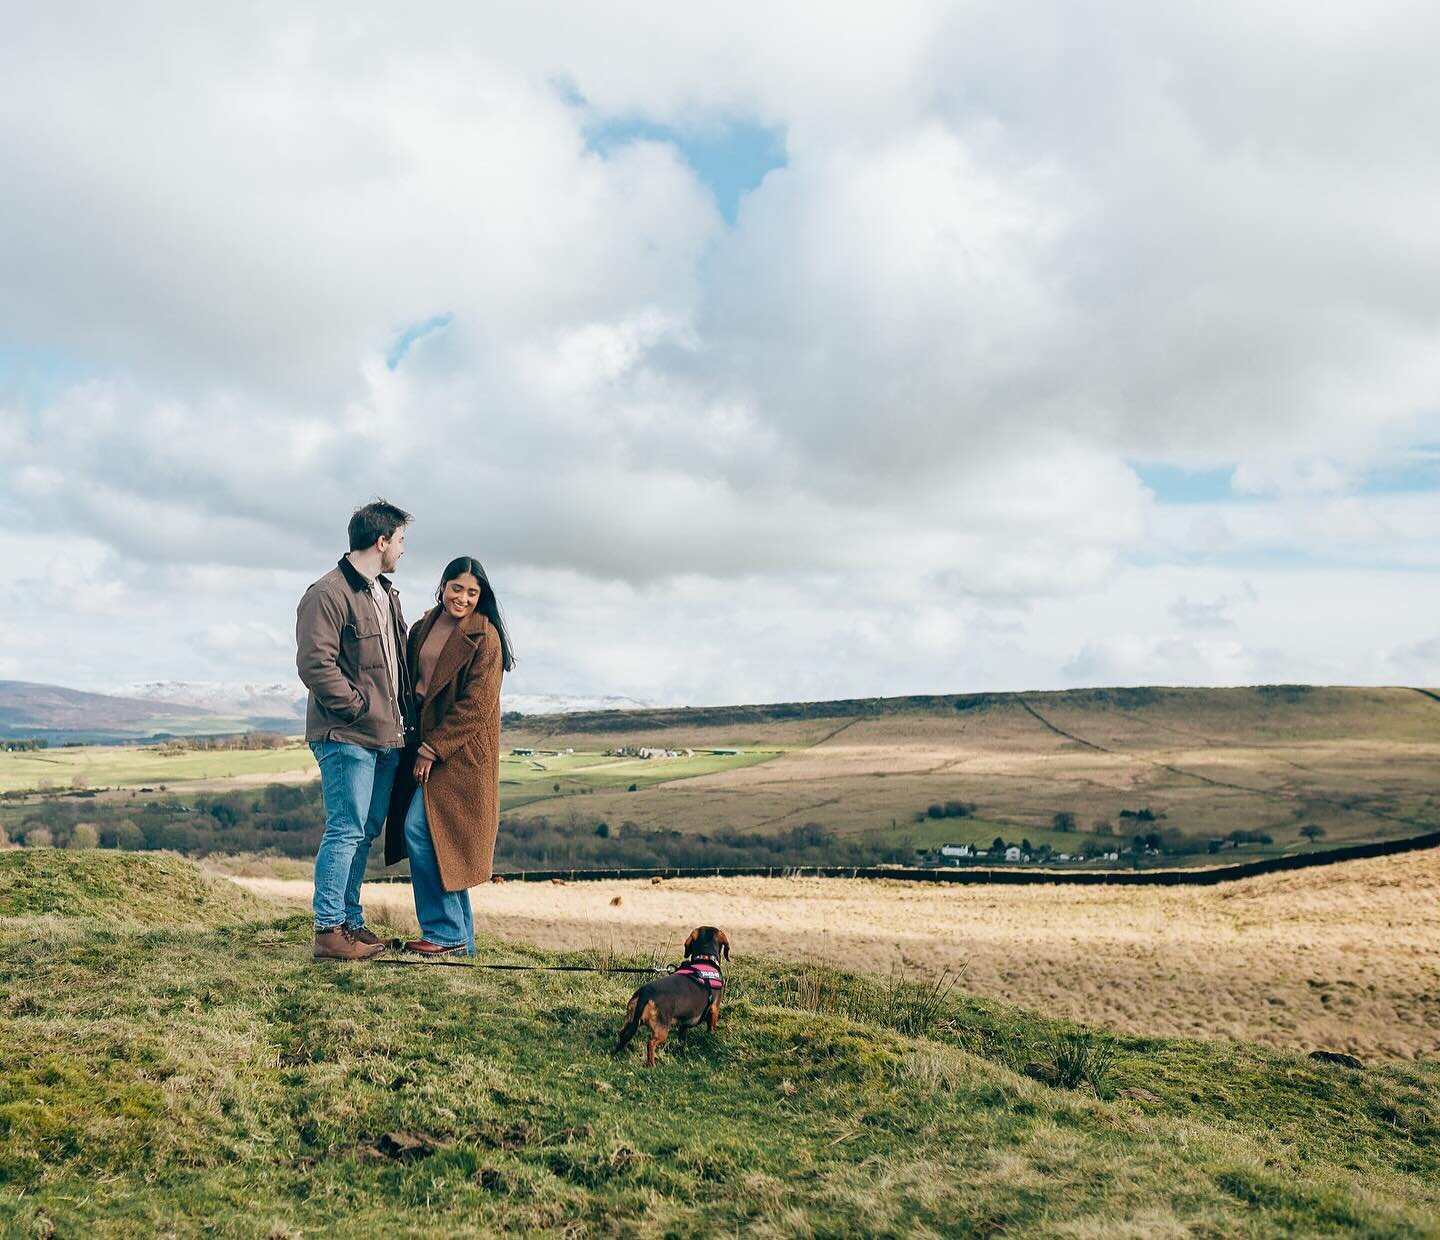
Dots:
(478, 703)
(318, 621)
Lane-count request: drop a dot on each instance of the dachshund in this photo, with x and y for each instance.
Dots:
(682, 999)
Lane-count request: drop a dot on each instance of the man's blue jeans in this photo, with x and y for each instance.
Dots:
(355, 783)
(444, 916)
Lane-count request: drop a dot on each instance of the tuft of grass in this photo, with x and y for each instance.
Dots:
(912, 1007)
(1080, 1058)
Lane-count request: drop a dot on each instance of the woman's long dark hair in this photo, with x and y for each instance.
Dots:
(487, 604)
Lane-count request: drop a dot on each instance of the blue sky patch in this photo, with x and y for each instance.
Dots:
(416, 331)
(32, 378)
(1419, 472)
(1173, 485)
(729, 157)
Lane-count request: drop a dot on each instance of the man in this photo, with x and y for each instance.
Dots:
(350, 640)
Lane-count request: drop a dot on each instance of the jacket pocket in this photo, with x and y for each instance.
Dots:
(364, 648)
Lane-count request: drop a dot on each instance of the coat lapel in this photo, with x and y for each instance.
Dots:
(457, 651)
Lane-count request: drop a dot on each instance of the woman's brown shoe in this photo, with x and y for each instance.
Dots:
(426, 948)
(341, 943)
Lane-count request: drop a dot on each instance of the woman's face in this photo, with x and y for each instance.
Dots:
(461, 595)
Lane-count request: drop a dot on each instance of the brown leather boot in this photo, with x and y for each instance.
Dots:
(365, 935)
(426, 948)
(340, 943)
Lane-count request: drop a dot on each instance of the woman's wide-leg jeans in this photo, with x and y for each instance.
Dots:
(444, 915)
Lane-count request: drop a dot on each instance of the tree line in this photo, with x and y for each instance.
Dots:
(289, 819)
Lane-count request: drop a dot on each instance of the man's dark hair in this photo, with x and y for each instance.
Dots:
(376, 520)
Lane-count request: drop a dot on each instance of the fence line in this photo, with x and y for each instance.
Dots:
(1207, 877)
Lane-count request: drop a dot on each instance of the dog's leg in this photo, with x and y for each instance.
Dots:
(713, 1016)
(632, 1025)
(658, 1034)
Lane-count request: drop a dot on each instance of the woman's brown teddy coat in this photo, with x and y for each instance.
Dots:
(460, 721)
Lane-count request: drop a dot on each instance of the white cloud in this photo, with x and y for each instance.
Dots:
(875, 433)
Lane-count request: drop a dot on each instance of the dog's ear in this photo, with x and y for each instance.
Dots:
(724, 943)
(689, 942)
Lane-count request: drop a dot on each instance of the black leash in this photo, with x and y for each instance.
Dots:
(532, 968)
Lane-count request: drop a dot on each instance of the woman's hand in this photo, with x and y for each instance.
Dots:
(422, 769)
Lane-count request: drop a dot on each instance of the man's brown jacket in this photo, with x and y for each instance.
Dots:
(341, 659)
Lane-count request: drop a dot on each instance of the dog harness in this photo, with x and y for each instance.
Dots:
(705, 973)
(702, 972)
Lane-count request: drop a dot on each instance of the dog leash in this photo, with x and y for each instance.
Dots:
(528, 968)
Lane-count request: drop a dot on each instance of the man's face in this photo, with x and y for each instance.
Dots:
(391, 549)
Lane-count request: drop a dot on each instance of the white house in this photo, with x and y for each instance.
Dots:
(956, 850)
(1012, 853)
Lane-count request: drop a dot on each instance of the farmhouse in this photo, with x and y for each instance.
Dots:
(956, 850)
(1012, 853)
(523, 753)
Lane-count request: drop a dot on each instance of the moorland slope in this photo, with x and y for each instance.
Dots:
(210, 1079)
(1356, 764)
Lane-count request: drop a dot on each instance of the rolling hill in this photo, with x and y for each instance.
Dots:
(1355, 763)
(60, 715)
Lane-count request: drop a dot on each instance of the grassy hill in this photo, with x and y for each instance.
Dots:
(1357, 763)
(178, 1078)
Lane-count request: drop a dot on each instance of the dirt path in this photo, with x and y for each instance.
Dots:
(1344, 958)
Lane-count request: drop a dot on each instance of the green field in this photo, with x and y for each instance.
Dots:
(550, 778)
(933, 833)
(128, 766)
(177, 1066)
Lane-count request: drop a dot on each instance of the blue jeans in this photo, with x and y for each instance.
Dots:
(355, 783)
(444, 915)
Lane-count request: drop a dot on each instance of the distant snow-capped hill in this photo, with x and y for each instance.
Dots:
(565, 704)
(228, 698)
(280, 701)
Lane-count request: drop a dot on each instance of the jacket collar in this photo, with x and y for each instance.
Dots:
(458, 646)
(356, 580)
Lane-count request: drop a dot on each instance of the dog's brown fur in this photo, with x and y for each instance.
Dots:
(676, 1002)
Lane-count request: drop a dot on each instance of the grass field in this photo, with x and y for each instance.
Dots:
(1358, 763)
(1342, 957)
(549, 778)
(180, 1068)
(129, 766)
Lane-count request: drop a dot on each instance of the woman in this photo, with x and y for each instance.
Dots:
(445, 811)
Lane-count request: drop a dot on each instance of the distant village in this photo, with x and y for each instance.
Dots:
(956, 854)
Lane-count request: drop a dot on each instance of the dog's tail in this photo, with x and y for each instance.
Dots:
(632, 1024)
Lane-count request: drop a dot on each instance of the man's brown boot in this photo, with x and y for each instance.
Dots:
(340, 943)
(365, 935)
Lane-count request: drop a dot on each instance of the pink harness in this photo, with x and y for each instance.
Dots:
(704, 973)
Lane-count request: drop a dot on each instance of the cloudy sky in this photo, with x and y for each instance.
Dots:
(760, 352)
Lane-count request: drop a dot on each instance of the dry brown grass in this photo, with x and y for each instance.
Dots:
(1343, 957)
